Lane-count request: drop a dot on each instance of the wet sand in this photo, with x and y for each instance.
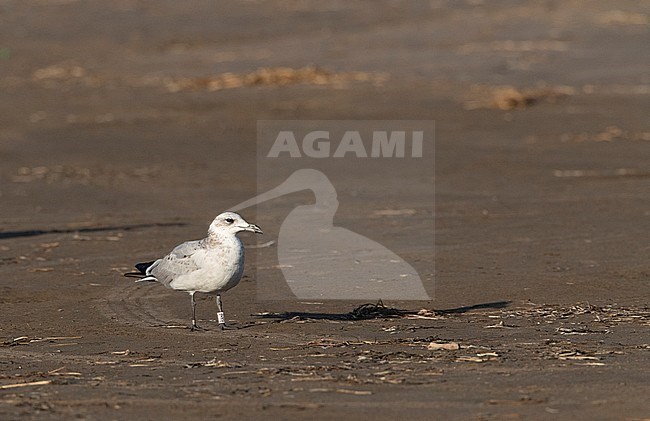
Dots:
(124, 129)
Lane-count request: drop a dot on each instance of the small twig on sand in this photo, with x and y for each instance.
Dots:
(37, 383)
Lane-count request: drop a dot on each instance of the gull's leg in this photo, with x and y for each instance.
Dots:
(221, 318)
(194, 325)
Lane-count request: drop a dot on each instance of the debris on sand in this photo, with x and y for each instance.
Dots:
(273, 76)
(36, 383)
(392, 212)
(500, 325)
(574, 355)
(59, 372)
(213, 363)
(606, 316)
(26, 340)
(509, 98)
(425, 314)
(375, 311)
(77, 175)
(363, 312)
(66, 74)
(608, 134)
(449, 346)
(469, 359)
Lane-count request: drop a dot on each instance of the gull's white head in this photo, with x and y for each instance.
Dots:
(231, 223)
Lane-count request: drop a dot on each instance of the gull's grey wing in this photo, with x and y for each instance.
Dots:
(178, 262)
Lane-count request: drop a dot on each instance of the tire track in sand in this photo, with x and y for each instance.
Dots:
(143, 306)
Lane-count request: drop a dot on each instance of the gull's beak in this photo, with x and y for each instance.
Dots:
(254, 228)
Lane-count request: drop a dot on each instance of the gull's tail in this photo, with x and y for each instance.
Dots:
(142, 273)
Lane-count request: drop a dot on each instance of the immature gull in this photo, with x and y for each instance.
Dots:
(212, 265)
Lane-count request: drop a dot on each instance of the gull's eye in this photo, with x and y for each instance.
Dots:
(230, 220)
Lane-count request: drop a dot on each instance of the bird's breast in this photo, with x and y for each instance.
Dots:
(223, 266)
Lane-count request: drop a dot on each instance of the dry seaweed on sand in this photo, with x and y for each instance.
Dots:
(363, 312)
(375, 311)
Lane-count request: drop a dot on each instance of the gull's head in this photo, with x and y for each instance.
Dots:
(232, 223)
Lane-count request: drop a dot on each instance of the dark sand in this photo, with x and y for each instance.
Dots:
(114, 149)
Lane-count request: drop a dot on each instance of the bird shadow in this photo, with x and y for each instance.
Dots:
(33, 233)
(465, 309)
(375, 311)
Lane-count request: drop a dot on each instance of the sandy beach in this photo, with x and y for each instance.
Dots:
(127, 126)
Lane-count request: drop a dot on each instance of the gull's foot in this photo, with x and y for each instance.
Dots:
(221, 318)
(196, 328)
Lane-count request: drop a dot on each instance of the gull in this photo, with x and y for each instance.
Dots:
(211, 266)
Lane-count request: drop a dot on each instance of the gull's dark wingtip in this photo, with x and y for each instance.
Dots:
(142, 270)
(142, 267)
